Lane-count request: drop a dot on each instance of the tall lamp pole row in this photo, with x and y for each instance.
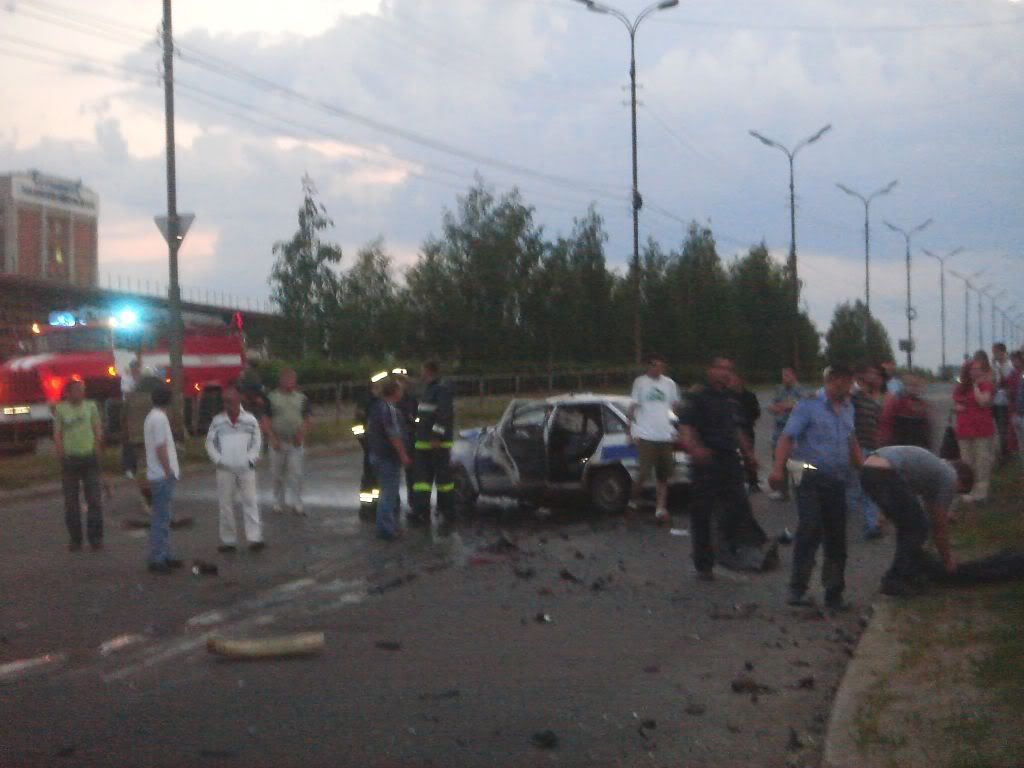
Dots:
(942, 293)
(908, 234)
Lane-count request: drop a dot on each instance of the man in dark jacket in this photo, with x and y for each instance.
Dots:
(747, 415)
(435, 426)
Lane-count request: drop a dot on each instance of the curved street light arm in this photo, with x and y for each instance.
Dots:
(853, 193)
(884, 190)
(922, 226)
(811, 139)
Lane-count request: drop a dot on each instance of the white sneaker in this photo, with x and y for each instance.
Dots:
(776, 496)
(299, 510)
(277, 509)
(661, 515)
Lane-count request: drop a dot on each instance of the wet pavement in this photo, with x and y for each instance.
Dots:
(441, 650)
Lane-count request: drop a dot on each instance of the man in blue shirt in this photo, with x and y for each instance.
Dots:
(386, 446)
(820, 437)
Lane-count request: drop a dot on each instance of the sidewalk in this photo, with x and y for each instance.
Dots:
(938, 681)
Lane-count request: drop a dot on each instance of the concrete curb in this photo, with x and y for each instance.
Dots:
(877, 656)
(45, 490)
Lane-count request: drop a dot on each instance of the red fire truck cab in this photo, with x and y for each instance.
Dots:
(95, 347)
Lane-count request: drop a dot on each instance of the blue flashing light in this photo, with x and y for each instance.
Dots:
(127, 319)
(63, 319)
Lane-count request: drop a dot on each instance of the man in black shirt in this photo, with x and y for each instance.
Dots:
(711, 435)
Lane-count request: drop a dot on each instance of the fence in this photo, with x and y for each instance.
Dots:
(343, 392)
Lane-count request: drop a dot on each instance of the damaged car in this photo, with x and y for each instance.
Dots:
(555, 451)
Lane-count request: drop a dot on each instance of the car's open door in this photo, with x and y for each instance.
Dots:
(513, 457)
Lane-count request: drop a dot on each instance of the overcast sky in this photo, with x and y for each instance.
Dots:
(930, 92)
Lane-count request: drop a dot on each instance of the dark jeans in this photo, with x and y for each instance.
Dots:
(389, 476)
(899, 503)
(821, 509)
(1001, 415)
(721, 483)
(433, 467)
(82, 472)
(129, 457)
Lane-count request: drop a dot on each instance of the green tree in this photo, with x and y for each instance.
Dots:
(845, 337)
(364, 311)
(303, 280)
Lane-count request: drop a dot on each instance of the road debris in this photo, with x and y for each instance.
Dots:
(679, 531)
(204, 568)
(525, 573)
(794, 743)
(652, 669)
(388, 645)
(505, 544)
(545, 740)
(68, 751)
(118, 643)
(786, 537)
(395, 583)
(601, 583)
(747, 684)
(803, 684)
(737, 611)
(543, 618)
(566, 575)
(300, 644)
(695, 709)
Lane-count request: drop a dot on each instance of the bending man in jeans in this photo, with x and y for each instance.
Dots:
(386, 446)
(286, 423)
(655, 397)
(895, 477)
(162, 472)
(820, 436)
(78, 438)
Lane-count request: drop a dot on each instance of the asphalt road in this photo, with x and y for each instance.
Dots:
(434, 655)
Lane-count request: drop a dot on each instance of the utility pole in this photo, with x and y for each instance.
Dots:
(981, 316)
(174, 236)
(791, 266)
(867, 246)
(942, 293)
(637, 201)
(911, 312)
(992, 298)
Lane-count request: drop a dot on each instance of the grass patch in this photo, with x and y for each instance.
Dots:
(869, 718)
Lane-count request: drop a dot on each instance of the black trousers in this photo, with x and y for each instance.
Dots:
(821, 509)
(82, 472)
(368, 481)
(432, 467)
(721, 485)
(1001, 415)
(899, 503)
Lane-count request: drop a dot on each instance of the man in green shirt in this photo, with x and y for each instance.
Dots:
(285, 424)
(78, 438)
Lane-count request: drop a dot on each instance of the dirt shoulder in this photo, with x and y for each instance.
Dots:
(938, 681)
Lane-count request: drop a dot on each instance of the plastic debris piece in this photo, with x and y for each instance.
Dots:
(301, 644)
(545, 740)
(747, 684)
(543, 618)
(204, 568)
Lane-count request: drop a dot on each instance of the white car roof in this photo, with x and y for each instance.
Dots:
(620, 401)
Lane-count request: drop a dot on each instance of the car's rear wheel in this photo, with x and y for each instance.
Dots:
(465, 493)
(609, 490)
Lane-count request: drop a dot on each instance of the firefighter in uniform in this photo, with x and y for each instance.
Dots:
(435, 422)
(368, 490)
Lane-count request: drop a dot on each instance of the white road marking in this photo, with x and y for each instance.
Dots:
(118, 643)
(15, 669)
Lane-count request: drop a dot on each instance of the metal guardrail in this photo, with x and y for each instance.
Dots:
(343, 392)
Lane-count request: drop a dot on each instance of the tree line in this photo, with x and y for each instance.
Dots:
(491, 291)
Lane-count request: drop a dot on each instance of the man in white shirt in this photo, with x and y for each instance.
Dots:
(653, 430)
(1002, 371)
(163, 472)
(233, 444)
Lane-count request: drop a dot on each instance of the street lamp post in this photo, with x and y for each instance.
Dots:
(867, 244)
(793, 276)
(942, 294)
(907, 235)
(637, 201)
(1006, 320)
(981, 317)
(967, 311)
(992, 299)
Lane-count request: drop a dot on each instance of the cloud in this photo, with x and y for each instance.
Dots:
(540, 84)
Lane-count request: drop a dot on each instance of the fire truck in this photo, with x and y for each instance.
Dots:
(94, 346)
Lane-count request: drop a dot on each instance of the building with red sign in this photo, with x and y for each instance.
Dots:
(48, 229)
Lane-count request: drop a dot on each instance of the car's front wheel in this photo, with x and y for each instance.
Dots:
(609, 490)
(465, 493)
